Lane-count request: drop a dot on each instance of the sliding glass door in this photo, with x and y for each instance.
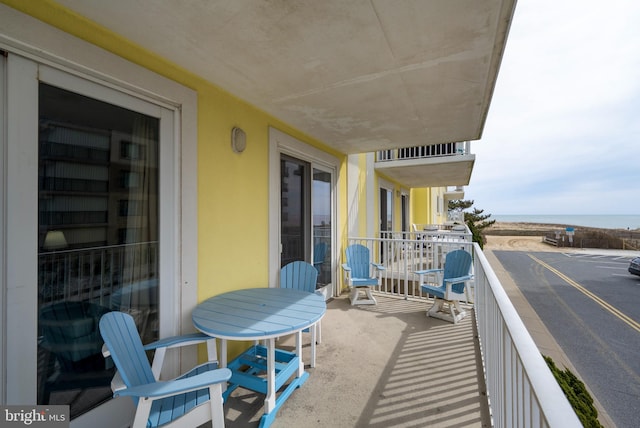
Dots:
(294, 209)
(98, 240)
(306, 215)
(322, 224)
(88, 169)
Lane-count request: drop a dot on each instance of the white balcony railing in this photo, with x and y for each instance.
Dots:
(403, 253)
(426, 151)
(522, 391)
(96, 274)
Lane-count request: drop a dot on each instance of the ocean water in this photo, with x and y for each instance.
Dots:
(601, 221)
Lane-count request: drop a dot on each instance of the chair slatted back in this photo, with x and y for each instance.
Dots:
(457, 264)
(299, 275)
(319, 253)
(358, 259)
(123, 340)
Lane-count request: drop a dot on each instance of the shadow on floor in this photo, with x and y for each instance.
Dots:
(386, 365)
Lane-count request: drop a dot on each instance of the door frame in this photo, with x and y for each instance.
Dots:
(282, 143)
(3, 222)
(33, 41)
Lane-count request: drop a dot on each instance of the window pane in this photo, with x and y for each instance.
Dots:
(97, 239)
(405, 212)
(322, 225)
(294, 184)
(386, 210)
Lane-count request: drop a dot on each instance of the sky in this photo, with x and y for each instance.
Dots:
(563, 131)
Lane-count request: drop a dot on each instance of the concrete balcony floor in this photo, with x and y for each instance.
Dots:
(387, 365)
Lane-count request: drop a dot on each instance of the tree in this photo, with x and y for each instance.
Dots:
(475, 220)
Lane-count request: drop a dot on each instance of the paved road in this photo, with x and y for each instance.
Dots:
(591, 306)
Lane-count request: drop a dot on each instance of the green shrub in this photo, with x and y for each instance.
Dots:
(577, 394)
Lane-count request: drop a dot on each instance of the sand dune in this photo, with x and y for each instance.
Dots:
(518, 243)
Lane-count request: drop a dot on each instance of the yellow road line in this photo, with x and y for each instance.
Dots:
(625, 318)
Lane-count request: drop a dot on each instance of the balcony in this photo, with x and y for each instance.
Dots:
(436, 165)
(390, 365)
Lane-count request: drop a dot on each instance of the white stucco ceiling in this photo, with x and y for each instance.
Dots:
(358, 75)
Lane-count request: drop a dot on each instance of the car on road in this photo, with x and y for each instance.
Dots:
(634, 266)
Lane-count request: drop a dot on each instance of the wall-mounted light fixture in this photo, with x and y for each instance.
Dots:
(238, 140)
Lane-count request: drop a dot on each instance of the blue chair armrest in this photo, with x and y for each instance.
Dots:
(161, 346)
(459, 279)
(346, 267)
(166, 389)
(449, 282)
(169, 342)
(378, 266)
(175, 341)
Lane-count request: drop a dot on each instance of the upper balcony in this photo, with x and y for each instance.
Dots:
(435, 165)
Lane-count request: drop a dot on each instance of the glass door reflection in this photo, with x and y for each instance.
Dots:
(98, 239)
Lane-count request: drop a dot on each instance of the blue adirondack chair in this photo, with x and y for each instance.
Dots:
(454, 286)
(319, 253)
(301, 275)
(71, 348)
(190, 400)
(358, 271)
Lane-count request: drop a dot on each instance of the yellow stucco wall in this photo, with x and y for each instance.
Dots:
(421, 200)
(421, 206)
(232, 188)
(362, 196)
